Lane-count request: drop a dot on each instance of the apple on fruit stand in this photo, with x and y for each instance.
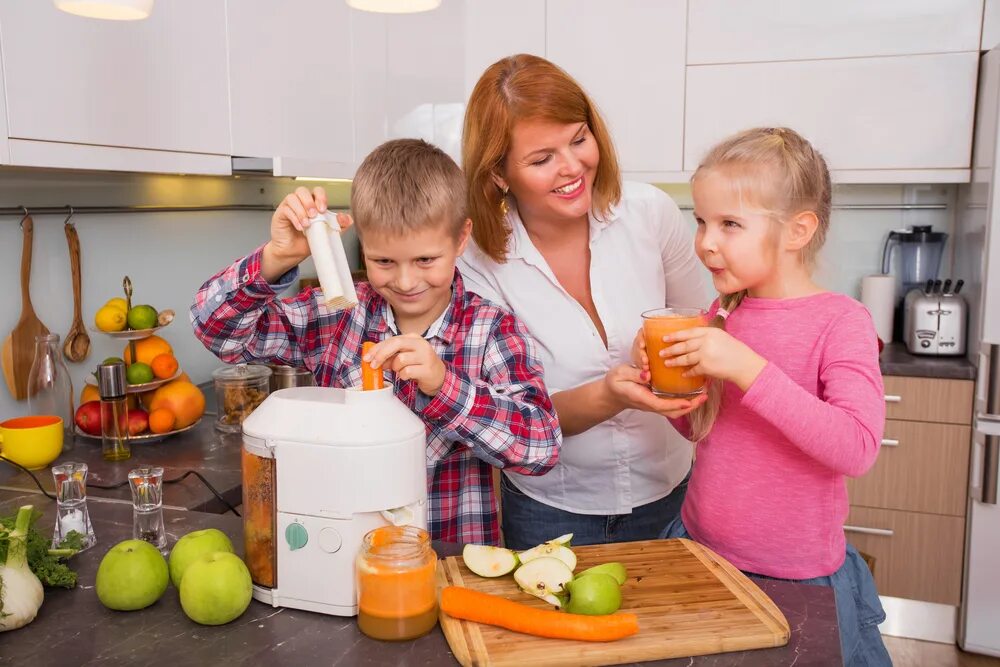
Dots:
(193, 546)
(216, 588)
(138, 421)
(132, 575)
(88, 417)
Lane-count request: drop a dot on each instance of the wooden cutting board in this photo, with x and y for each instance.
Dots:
(688, 599)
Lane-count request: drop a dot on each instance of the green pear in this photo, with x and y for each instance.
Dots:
(616, 570)
(593, 594)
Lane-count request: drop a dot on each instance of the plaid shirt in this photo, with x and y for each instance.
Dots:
(492, 410)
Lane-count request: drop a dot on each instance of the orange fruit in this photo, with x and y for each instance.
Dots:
(89, 393)
(162, 420)
(183, 399)
(164, 366)
(147, 349)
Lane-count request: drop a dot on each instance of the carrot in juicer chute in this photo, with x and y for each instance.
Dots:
(371, 378)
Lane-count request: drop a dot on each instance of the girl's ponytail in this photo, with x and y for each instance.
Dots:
(702, 418)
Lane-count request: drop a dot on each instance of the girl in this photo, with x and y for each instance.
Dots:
(795, 401)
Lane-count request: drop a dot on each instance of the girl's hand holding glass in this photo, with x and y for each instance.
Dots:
(714, 353)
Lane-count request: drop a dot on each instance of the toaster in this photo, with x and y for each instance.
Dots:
(934, 319)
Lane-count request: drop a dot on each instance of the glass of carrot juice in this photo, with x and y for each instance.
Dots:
(669, 381)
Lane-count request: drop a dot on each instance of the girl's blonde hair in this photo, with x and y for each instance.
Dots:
(778, 170)
(516, 88)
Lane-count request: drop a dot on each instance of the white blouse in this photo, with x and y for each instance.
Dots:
(642, 257)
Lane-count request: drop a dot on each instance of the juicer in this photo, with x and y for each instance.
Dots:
(321, 468)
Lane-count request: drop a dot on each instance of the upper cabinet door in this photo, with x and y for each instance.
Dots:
(898, 113)
(722, 31)
(160, 83)
(291, 85)
(629, 56)
(495, 29)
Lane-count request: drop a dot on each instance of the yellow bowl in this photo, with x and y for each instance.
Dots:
(34, 441)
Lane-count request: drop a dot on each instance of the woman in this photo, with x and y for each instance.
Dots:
(578, 256)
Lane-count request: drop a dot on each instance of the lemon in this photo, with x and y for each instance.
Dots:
(119, 303)
(139, 373)
(142, 317)
(110, 318)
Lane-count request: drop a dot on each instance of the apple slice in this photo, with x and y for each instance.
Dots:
(545, 578)
(616, 570)
(488, 561)
(564, 540)
(550, 550)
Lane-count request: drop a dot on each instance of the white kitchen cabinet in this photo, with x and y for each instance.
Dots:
(146, 95)
(4, 147)
(722, 31)
(865, 114)
(991, 25)
(630, 57)
(495, 29)
(291, 93)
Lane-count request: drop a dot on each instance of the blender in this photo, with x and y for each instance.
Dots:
(920, 251)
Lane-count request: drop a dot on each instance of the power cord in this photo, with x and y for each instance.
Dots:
(108, 487)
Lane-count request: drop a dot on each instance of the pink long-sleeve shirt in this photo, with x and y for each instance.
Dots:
(767, 490)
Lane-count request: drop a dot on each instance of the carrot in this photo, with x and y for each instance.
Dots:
(371, 378)
(472, 605)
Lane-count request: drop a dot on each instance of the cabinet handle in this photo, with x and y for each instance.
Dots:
(884, 532)
(889, 442)
(892, 398)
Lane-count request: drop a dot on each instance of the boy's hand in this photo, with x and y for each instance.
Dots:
(629, 387)
(288, 246)
(411, 357)
(715, 353)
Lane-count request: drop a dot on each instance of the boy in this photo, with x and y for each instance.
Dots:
(465, 367)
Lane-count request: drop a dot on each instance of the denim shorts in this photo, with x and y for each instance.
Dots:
(528, 522)
(859, 611)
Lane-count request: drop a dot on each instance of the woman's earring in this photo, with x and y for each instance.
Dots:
(503, 201)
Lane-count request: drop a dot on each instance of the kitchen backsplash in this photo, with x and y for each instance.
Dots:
(169, 255)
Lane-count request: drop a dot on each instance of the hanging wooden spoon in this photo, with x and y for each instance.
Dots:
(19, 347)
(77, 345)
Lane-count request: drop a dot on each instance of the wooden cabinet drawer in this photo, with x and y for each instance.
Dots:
(921, 467)
(928, 399)
(917, 556)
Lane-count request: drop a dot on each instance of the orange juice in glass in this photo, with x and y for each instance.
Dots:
(669, 381)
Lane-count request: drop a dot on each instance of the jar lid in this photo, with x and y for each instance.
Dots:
(242, 373)
(288, 370)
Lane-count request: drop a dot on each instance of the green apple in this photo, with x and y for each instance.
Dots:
(193, 545)
(616, 570)
(550, 550)
(216, 588)
(489, 561)
(544, 577)
(132, 575)
(593, 594)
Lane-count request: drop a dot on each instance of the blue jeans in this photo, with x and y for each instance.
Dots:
(528, 522)
(859, 610)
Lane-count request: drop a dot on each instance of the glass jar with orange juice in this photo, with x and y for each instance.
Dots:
(669, 381)
(397, 593)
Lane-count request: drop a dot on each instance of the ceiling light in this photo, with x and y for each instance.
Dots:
(114, 10)
(394, 6)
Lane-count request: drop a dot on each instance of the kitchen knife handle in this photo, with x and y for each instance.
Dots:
(864, 530)
(889, 442)
(892, 398)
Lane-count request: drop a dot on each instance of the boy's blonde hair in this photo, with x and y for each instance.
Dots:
(515, 89)
(778, 170)
(406, 185)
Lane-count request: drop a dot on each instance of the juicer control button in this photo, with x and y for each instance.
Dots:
(296, 536)
(329, 540)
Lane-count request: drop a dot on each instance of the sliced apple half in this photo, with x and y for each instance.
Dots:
(550, 550)
(488, 561)
(564, 540)
(616, 570)
(544, 577)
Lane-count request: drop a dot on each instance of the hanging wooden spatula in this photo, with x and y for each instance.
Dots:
(19, 346)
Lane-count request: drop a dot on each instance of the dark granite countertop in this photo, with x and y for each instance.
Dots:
(896, 360)
(73, 628)
(214, 455)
